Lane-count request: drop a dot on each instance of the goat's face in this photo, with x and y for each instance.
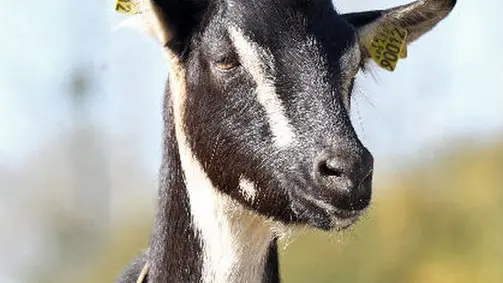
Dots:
(266, 97)
(267, 110)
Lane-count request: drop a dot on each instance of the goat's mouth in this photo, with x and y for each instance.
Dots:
(324, 214)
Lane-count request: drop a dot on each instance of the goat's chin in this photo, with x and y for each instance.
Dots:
(340, 224)
(333, 223)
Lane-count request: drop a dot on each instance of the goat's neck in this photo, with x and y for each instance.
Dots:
(201, 235)
(234, 240)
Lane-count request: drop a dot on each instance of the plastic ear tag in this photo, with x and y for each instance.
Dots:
(127, 7)
(403, 53)
(388, 45)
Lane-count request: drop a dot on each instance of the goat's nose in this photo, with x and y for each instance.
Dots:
(348, 176)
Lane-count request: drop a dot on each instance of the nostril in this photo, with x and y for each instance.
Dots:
(344, 178)
(331, 168)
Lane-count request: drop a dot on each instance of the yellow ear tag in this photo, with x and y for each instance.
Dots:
(126, 7)
(388, 45)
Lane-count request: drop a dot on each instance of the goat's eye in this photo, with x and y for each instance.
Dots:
(227, 63)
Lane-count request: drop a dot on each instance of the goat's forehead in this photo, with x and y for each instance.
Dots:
(273, 6)
(276, 24)
(286, 23)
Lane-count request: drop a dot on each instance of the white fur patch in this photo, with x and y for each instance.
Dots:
(247, 189)
(235, 241)
(256, 60)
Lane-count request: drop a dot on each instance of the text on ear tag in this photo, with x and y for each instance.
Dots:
(126, 7)
(388, 46)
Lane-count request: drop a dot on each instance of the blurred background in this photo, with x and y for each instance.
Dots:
(80, 132)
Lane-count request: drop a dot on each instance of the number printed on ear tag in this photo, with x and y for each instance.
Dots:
(388, 46)
(126, 7)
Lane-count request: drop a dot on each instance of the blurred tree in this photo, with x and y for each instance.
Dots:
(89, 158)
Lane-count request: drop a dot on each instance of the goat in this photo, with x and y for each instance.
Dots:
(257, 135)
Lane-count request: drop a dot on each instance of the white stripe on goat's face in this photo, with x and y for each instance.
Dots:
(269, 104)
(260, 64)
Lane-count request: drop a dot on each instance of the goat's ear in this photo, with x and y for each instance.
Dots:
(412, 20)
(172, 22)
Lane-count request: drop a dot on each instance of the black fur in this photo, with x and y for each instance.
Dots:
(364, 18)
(175, 247)
(303, 43)
(132, 272)
(271, 272)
